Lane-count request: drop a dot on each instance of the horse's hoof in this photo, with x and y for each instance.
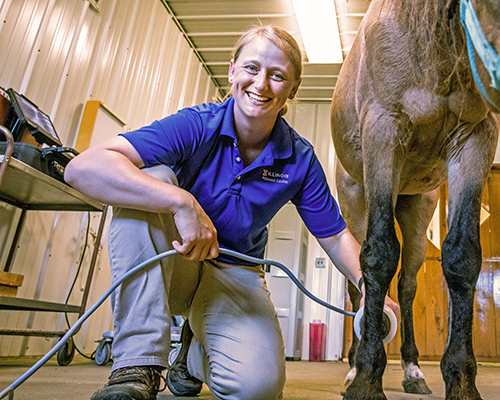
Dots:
(365, 396)
(360, 390)
(458, 393)
(416, 386)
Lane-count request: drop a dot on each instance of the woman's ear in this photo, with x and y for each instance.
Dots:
(295, 89)
(230, 74)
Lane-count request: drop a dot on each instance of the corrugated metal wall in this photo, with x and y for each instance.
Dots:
(60, 54)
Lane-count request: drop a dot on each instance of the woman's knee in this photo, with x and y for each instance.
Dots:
(264, 382)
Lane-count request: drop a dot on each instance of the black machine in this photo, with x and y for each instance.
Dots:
(36, 141)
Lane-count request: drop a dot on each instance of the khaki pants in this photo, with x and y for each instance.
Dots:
(237, 348)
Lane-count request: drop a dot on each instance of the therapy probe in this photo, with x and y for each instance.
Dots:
(388, 314)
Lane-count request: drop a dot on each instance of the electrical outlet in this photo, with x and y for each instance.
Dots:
(320, 262)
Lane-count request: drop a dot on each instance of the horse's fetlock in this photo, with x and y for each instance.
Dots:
(371, 361)
(409, 353)
(413, 371)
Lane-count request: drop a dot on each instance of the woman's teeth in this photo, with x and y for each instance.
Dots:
(257, 97)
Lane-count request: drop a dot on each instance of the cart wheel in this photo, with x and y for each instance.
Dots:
(103, 353)
(66, 353)
(174, 351)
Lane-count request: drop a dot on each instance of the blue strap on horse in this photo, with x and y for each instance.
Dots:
(477, 40)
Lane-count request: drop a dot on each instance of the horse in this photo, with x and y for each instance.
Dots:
(415, 106)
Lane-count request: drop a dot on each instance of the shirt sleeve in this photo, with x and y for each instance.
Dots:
(316, 205)
(169, 141)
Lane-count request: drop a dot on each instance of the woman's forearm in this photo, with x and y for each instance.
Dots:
(110, 174)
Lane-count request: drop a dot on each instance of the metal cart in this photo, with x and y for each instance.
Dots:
(29, 189)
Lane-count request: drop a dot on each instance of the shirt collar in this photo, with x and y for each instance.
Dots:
(280, 143)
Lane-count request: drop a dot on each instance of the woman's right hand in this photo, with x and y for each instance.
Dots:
(198, 234)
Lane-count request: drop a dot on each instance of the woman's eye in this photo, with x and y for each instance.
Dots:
(251, 68)
(277, 76)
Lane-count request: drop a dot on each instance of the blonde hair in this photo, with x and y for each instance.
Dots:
(281, 38)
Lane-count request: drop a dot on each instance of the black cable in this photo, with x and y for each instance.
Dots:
(291, 276)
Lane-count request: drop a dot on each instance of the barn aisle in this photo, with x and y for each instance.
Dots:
(305, 381)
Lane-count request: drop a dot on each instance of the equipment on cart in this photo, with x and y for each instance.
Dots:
(25, 119)
(50, 160)
(36, 142)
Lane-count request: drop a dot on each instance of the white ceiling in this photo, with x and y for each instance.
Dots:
(213, 26)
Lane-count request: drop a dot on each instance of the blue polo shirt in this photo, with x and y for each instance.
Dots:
(199, 144)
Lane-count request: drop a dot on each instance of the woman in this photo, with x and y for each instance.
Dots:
(231, 167)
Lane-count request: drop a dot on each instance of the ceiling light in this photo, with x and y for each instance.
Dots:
(319, 29)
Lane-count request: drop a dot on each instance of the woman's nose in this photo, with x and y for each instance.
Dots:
(261, 80)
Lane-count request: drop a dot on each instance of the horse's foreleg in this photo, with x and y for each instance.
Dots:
(413, 214)
(379, 254)
(379, 260)
(462, 258)
(461, 266)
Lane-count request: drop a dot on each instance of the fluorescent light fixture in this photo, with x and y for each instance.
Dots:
(320, 31)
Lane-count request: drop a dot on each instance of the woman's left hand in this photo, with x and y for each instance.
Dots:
(392, 305)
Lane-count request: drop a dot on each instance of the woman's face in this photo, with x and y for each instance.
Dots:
(263, 78)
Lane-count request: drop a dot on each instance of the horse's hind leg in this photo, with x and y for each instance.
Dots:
(355, 298)
(351, 197)
(413, 214)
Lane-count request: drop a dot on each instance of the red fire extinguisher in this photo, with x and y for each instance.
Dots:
(317, 340)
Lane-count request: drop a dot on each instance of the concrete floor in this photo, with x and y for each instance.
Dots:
(305, 380)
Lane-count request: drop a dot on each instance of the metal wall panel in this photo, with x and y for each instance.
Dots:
(81, 75)
(60, 53)
(51, 56)
(17, 38)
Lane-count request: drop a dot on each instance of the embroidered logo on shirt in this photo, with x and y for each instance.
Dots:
(276, 177)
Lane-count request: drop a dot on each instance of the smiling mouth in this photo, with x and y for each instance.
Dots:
(256, 97)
